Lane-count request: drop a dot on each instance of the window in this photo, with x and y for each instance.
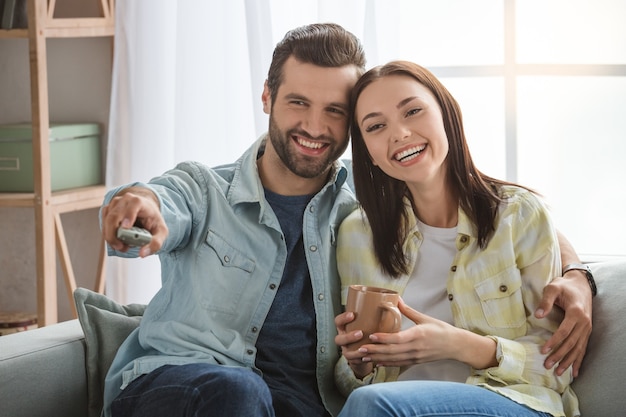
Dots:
(542, 85)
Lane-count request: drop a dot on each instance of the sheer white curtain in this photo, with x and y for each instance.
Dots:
(187, 82)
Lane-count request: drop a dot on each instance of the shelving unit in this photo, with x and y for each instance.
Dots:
(48, 206)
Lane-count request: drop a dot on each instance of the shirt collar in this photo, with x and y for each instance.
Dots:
(464, 225)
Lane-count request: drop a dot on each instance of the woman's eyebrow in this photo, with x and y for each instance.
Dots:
(399, 105)
(370, 115)
(405, 101)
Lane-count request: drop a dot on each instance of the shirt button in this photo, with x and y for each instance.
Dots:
(450, 297)
(255, 329)
(453, 268)
(272, 286)
(227, 259)
(249, 351)
(320, 297)
(323, 349)
(312, 209)
(503, 288)
(463, 239)
(313, 248)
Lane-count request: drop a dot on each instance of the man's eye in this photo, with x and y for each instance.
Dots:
(337, 111)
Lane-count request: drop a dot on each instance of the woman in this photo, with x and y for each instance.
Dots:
(470, 254)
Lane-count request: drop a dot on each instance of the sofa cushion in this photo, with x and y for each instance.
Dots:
(42, 372)
(598, 386)
(106, 325)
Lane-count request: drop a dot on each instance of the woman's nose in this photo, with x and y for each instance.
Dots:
(399, 133)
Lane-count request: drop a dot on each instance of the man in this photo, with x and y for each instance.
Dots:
(244, 322)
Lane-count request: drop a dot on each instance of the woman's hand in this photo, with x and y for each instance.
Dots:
(429, 340)
(344, 338)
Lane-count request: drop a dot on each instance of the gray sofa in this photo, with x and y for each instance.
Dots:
(44, 372)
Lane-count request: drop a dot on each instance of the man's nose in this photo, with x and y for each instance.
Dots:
(315, 123)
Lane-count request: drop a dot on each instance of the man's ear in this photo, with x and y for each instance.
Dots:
(266, 99)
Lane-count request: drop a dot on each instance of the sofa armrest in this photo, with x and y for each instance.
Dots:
(42, 372)
(599, 386)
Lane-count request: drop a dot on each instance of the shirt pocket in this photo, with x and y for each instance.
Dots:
(502, 302)
(227, 272)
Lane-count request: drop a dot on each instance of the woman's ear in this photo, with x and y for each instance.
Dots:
(266, 99)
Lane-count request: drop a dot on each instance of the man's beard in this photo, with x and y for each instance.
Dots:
(301, 165)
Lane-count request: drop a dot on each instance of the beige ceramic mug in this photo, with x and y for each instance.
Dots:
(375, 311)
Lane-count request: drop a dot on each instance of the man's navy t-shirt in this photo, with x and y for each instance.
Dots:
(287, 341)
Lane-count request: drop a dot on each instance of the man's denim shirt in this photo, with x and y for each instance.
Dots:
(221, 265)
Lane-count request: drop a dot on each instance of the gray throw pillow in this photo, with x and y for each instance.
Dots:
(106, 325)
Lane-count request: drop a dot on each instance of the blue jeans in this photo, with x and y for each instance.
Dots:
(431, 398)
(195, 390)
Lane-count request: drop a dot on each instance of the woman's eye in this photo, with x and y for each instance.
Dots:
(413, 112)
(371, 128)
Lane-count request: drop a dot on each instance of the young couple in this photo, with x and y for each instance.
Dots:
(247, 320)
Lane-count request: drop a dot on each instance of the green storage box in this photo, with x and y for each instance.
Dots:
(75, 159)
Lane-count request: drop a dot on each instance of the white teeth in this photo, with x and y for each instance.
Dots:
(309, 144)
(410, 153)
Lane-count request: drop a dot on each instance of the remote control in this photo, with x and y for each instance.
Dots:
(135, 236)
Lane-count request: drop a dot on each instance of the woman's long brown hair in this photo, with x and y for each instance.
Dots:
(381, 196)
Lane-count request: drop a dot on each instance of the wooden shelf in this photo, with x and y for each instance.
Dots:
(64, 201)
(17, 199)
(75, 27)
(48, 206)
(78, 199)
(13, 33)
